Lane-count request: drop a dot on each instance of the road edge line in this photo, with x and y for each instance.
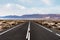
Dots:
(48, 30)
(10, 29)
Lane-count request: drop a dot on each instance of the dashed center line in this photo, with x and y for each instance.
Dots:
(28, 32)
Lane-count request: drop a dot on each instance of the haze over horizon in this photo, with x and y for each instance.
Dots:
(21, 7)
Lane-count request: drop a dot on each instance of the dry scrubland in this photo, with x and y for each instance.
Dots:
(52, 24)
(6, 24)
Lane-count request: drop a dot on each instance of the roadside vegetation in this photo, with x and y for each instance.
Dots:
(6, 24)
(52, 24)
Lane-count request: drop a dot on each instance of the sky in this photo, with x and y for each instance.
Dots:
(23, 7)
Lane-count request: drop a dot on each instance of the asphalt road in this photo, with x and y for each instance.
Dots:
(39, 33)
(18, 33)
(36, 33)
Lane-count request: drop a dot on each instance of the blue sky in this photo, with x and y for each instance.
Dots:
(21, 7)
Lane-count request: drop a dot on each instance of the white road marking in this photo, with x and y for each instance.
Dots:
(44, 27)
(10, 29)
(48, 30)
(57, 34)
(28, 32)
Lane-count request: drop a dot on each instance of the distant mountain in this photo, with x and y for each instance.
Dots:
(11, 16)
(33, 16)
(41, 15)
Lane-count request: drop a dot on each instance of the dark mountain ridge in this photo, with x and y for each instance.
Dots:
(33, 16)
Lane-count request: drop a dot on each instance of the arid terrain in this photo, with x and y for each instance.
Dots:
(51, 24)
(6, 24)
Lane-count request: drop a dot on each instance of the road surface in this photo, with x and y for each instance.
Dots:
(18, 33)
(39, 33)
(36, 33)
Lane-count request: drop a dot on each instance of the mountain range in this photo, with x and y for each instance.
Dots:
(33, 16)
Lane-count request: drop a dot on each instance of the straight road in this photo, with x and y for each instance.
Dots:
(39, 33)
(36, 32)
(18, 33)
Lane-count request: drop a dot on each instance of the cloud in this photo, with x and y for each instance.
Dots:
(11, 9)
(49, 10)
(47, 2)
(37, 2)
(26, 1)
(16, 9)
(8, 5)
(20, 7)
